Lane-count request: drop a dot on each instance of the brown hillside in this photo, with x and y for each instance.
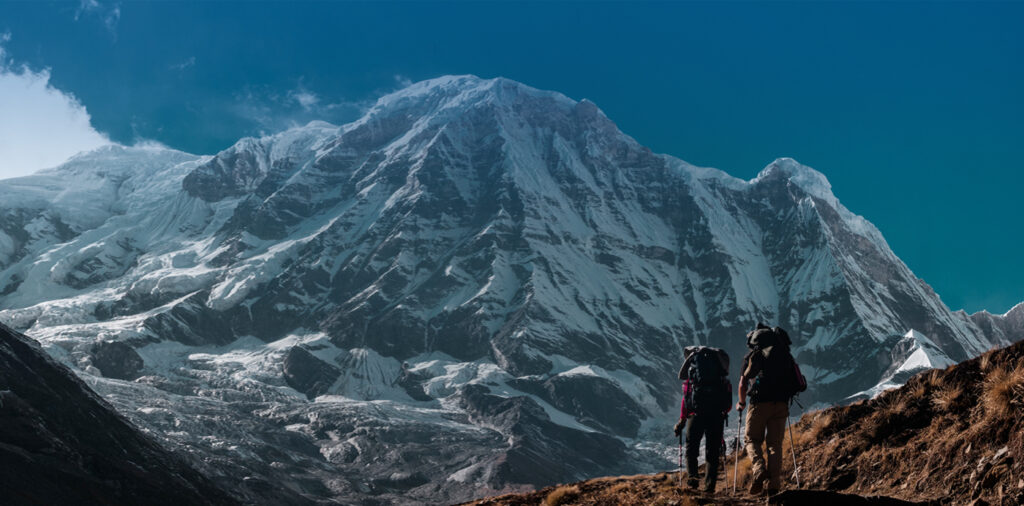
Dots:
(952, 436)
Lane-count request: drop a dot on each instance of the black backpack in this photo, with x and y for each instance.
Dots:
(705, 375)
(779, 378)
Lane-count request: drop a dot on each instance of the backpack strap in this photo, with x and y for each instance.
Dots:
(686, 366)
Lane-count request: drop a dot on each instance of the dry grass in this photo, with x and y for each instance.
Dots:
(893, 401)
(744, 471)
(986, 360)
(945, 399)
(884, 422)
(1003, 390)
(562, 495)
(920, 442)
(620, 489)
(820, 425)
(921, 390)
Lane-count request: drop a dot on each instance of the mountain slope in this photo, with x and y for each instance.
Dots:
(952, 434)
(61, 444)
(948, 436)
(473, 258)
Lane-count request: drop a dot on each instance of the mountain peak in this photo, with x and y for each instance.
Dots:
(810, 180)
(1015, 310)
(472, 260)
(1015, 316)
(464, 90)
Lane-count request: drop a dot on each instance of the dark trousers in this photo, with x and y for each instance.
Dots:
(709, 427)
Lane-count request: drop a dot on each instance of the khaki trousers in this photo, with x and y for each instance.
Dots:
(766, 421)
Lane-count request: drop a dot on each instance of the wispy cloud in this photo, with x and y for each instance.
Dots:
(402, 81)
(41, 126)
(86, 6)
(108, 13)
(181, 66)
(272, 111)
(305, 98)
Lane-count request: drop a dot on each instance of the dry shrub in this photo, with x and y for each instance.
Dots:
(935, 377)
(821, 426)
(666, 501)
(945, 399)
(620, 489)
(616, 479)
(807, 437)
(986, 360)
(744, 471)
(562, 495)
(1016, 445)
(891, 402)
(920, 390)
(882, 425)
(1003, 390)
(620, 495)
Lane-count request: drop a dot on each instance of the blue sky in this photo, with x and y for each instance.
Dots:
(914, 111)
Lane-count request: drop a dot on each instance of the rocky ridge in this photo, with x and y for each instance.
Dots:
(62, 444)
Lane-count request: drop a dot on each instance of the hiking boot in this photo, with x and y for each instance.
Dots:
(693, 483)
(772, 491)
(709, 487)
(756, 488)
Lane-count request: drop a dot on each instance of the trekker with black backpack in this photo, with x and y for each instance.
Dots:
(707, 399)
(771, 377)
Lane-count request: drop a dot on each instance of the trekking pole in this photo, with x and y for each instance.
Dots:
(792, 449)
(736, 467)
(680, 461)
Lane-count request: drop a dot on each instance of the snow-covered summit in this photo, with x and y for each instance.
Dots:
(808, 179)
(1016, 312)
(450, 99)
(921, 354)
(464, 89)
(471, 260)
(93, 185)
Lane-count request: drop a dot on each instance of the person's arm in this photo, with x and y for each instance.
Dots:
(678, 427)
(748, 372)
(742, 393)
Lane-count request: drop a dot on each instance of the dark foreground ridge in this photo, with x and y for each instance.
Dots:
(60, 443)
(952, 436)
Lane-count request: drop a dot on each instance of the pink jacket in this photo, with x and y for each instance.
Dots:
(687, 385)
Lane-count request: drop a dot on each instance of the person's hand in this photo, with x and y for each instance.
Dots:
(678, 429)
(740, 405)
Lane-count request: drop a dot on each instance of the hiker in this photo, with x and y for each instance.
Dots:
(707, 400)
(771, 377)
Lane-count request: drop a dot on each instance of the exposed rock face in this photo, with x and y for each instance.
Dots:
(463, 233)
(593, 400)
(62, 444)
(308, 374)
(540, 449)
(116, 360)
(1009, 327)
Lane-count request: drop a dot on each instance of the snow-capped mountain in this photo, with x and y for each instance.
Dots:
(478, 286)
